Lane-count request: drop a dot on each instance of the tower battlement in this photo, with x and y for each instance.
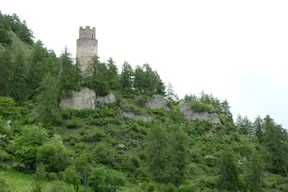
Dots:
(87, 32)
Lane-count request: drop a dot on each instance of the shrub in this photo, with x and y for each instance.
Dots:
(107, 180)
(52, 176)
(3, 185)
(58, 186)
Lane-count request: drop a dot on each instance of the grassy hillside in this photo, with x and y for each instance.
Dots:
(21, 182)
(18, 45)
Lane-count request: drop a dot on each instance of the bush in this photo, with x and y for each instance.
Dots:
(74, 123)
(3, 185)
(107, 180)
(201, 107)
(186, 188)
(4, 156)
(58, 186)
(53, 176)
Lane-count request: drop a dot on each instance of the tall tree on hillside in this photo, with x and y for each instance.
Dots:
(139, 80)
(159, 85)
(244, 125)
(150, 79)
(37, 66)
(170, 93)
(157, 153)
(276, 142)
(98, 81)
(68, 74)
(259, 128)
(225, 109)
(229, 175)
(18, 88)
(178, 155)
(47, 110)
(5, 72)
(254, 178)
(4, 35)
(126, 80)
(112, 74)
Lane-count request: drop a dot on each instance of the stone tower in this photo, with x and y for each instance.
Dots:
(87, 48)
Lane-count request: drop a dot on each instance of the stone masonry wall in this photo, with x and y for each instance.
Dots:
(84, 99)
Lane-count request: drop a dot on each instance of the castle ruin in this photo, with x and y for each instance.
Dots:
(87, 48)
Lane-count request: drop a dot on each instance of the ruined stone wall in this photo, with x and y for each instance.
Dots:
(84, 99)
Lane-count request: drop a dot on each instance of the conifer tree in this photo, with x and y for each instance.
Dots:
(112, 75)
(259, 128)
(157, 153)
(179, 153)
(254, 178)
(38, 66)
(18, 88)
(98, 81)
(229, 175)
(47, 110)
(68, 74)
(5, 72)
(126, 81)
(139, 80)
(244, 125)
(159, 85)
(275, 141)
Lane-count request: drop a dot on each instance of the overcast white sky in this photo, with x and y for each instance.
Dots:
(233, 49)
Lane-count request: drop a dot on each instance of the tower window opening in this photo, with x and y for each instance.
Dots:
(92, 36)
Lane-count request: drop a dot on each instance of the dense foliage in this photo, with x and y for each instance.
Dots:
(97, 150)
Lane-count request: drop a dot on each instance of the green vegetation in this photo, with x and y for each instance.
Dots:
(45, 148)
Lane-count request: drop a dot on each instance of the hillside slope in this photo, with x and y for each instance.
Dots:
(146, 140)
(18, 45)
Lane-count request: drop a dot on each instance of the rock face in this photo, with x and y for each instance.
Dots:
(132, 115)
(157, 102)
(110, 98)
(192, 115)
(84, 99)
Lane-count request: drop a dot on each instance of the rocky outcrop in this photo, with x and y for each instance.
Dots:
(157, 102)
(132, 115)
(83, 99)
(192, 115)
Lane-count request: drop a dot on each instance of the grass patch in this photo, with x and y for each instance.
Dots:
(21, 182)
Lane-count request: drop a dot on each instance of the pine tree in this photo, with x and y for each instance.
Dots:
(139, 80)
(47, 110)
(18, 88)
(98, 81)
(159, 85)
(259, 128)
(275, 140)
(179, 153)
(38, 66)
(170, 93)
(229, 175)
(5, 72)
(157, 153)
(254, 178)
(126, 80)
(244, 125)
(112, 75)
(68, 74)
